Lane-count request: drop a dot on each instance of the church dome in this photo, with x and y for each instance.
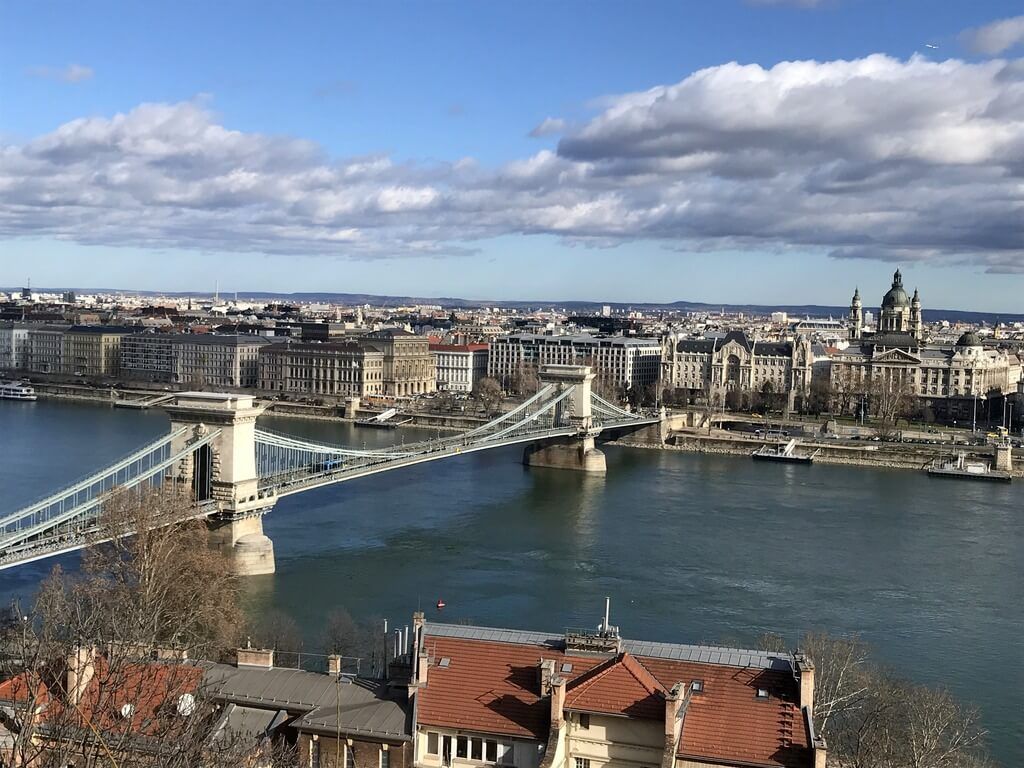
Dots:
(896, 297)
(969, 339)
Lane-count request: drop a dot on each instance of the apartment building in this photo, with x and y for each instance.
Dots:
(46, 349)
(93, 350)
(195, 360)
(14, 346)
(345, 369)
(618, 361)
(459, 366)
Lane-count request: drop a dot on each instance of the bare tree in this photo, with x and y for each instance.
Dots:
(873, 719)
(488, 391)
(101, 670)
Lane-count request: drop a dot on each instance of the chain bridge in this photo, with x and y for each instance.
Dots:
(237, 471)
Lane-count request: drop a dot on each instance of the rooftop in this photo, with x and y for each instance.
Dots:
(489, 683)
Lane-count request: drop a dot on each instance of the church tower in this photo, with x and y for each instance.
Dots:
(916, 324)
(856, 317)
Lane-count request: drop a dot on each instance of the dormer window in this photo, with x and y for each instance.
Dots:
(762, 694)
(697, 686)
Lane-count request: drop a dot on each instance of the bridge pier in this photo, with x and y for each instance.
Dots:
(566, 453)
(227, 476)
(579, 452)
(250, 551)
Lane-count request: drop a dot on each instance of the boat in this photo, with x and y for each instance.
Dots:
(16, 390)
(383, 420)
(960, 468)
(783, 454)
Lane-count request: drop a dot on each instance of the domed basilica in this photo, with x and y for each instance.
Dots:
(948, 379)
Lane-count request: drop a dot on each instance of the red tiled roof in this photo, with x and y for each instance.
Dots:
(619, 686)
(728, 721)
(437, 347)
(490, 687)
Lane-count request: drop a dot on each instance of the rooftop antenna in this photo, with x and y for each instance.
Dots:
(216, 291)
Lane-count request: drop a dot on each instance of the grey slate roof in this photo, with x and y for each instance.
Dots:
(703, 654)
(367, 707)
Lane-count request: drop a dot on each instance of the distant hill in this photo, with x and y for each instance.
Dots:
(450, 302)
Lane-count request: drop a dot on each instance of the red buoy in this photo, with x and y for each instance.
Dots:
(440, 604)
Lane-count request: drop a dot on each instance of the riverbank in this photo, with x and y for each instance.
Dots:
(882, 456)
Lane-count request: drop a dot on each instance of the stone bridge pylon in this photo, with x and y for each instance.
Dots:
(225, 471)
(576, 452)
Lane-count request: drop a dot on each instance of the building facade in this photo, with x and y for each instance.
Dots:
(948, 379)
(346, 369)
(712, 368)
(93, 350)
(194, 360)
(46, 349)
(459, 366)
(14, 347)
(408, 365)
(619, 362)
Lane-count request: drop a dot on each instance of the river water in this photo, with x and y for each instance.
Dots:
(690, 548)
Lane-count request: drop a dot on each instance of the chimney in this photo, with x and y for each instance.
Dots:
(81, 668)
(418, 623)
(805, 672)
(262, 658)
(334, 665)
(557, 701)
(545, 670)
(673, 703)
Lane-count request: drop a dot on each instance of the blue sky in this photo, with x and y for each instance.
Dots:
(429, 84)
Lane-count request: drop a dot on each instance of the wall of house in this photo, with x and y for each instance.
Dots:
(618, 740)
(366, 754)
(520, 753)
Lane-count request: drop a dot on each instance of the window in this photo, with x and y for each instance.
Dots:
(491, 751)
(762, 693)
(350, 757)
(476, 749)
(314, 754)
(462, 747)
(697, 686)
(584, 721)
(431, 743)
(385, 758)
(582, 762)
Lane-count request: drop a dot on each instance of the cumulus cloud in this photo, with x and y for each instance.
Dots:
(872, 158)
(992, 39)
(72, 73)
(548, 126)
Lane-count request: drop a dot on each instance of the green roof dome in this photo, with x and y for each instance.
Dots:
(896, 297)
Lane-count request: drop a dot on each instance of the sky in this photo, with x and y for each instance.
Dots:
(728, 151)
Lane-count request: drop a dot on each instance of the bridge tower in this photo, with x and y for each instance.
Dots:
(225, 472)
(578, 452)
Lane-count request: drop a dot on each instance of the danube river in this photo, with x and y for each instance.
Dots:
(690, 548)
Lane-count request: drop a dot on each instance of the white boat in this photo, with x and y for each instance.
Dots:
(16, 390)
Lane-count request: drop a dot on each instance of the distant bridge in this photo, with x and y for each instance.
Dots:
(237, 471)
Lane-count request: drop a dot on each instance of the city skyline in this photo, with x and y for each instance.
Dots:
(742, 152)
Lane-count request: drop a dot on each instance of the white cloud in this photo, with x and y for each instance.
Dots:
(992, 39)
(548, 126)
(871, 158)
(72, 73)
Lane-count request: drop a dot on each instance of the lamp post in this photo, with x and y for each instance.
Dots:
(974, 416)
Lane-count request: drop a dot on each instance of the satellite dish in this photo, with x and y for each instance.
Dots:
(127, 710)
(186, 704)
